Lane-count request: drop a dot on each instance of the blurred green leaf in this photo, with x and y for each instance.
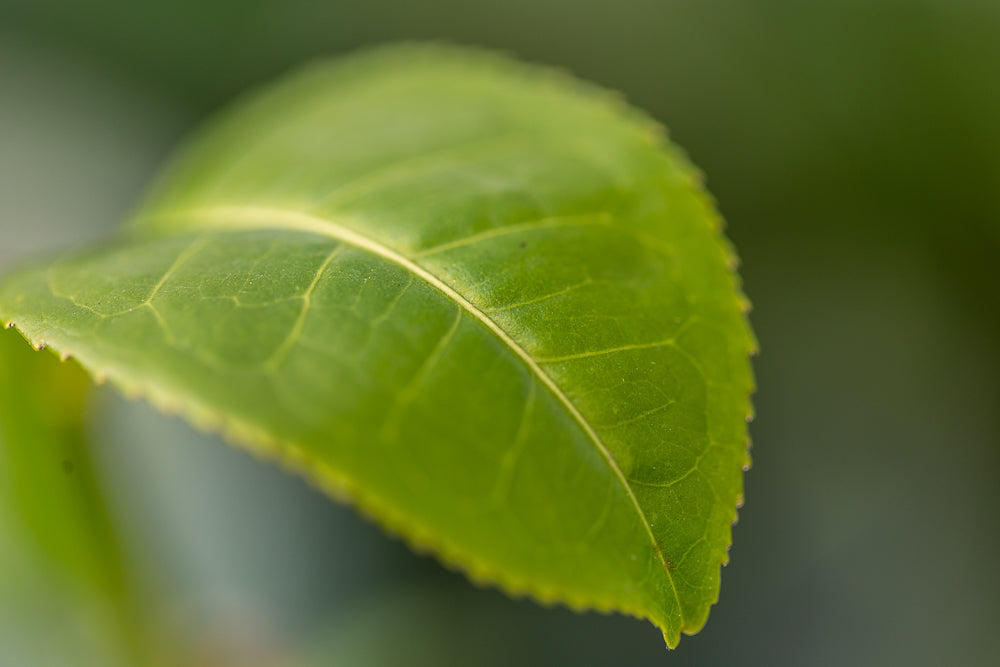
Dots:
(484, 301)
(62, 591)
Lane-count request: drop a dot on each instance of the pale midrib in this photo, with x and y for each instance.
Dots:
(258, 217)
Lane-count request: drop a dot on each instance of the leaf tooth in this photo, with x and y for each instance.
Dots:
(745, 305)
(34, 346)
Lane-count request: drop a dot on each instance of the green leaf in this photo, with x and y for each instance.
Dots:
(63, 593)
(484, 301)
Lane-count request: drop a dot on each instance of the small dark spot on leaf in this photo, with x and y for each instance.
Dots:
(669, 563)
(523, 244)
(68, 467)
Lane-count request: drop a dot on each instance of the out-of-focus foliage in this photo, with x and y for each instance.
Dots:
(854, 149)
(62, 592)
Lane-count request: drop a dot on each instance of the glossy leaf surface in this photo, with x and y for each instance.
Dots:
(484, 301)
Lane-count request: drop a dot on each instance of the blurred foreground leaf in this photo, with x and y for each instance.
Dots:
(62, 593)
(483, 301)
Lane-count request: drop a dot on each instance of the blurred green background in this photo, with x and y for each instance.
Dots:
(854, 148)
